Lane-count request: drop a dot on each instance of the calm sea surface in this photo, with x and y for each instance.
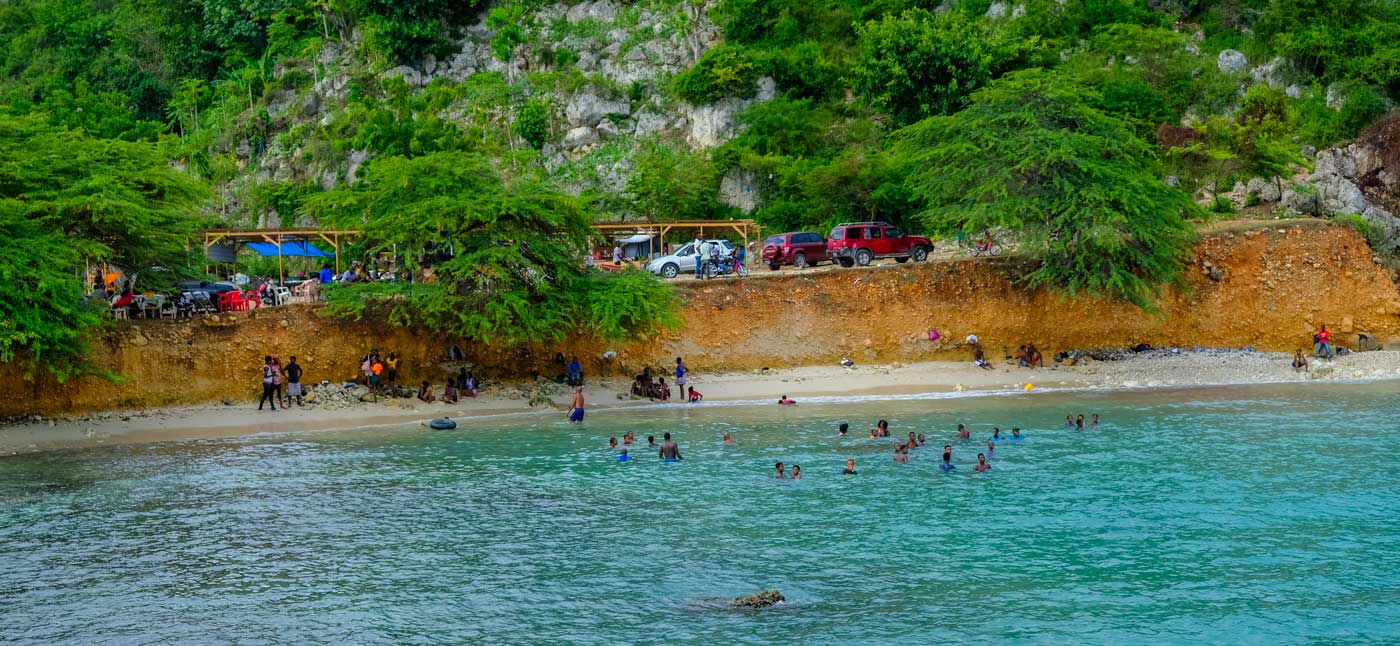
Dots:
(1259, 515)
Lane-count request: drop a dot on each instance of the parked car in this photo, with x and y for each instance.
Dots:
(860, 243)
(796, 249)
(683, 259)
(211, 288)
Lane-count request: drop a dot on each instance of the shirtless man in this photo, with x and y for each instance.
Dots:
(921, 439)
(913, 442)
(669, 452)
(901, 454)
(628, 438)
(651, 442)
(982, 464)
(576, 412)
(1095, 423)
(963, 433)
(730, 441)
(1079, 423)
(844, 428)
(779, 467)
(796, 472)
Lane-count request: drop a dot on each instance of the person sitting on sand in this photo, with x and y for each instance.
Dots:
(963, 433)
(980, 359)
(1023, 357)
(796, 472)
(784, 401)
(449, 394)
(779, 467)
(694, 397)
(663, 392)
(425, 392)
(1300, 362)
(850, 469)
(947, 464)
(982, 464)
(1037, 360)
(901, 453)
(729, 440)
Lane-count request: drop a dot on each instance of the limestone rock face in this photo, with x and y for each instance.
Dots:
(1232, 61)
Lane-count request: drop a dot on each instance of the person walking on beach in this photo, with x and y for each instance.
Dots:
(1323, 343)
(669, 451)
(576, 408)
(267, 387)
(293, 375)
(681, 372)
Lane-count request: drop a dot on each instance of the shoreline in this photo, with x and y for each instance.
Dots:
(1147, 371)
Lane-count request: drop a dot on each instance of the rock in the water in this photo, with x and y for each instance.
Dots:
(759, 600)
(1231, 60)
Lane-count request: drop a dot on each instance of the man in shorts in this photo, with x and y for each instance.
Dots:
(293, 374)
(576, 408)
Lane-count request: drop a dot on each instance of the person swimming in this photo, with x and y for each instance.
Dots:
(796, 472)
(991, 449)
(882, 429)
(947, 464)
(921, 439)
(901, 453)
(948, 449)
(1016, 435)
(1095, 422)
(996, 435)
(669, 452)
(623, 457)
(963, 433)
(1069, 421)
(982, 464)
(612, 443)
(843, 428)
(850, 469)
(1079, 423)
(730, 441)
(629, 438)
(784, 401)
(779, 468)
(913, 441)
(651, 442)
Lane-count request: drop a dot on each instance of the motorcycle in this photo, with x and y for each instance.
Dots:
(725, 265)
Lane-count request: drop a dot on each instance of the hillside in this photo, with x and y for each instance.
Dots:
(1095, 134)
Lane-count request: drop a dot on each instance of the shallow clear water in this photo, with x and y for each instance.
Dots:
(1226, 515)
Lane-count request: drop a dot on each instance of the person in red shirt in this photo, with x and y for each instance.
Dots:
(695, 395)
(1323, 343)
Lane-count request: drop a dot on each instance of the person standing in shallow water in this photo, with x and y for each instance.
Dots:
(779, 467)
(576, 408)
(669, 451)
(982, 464)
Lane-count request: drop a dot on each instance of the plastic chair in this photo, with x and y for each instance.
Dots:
(281, 295)
(252, 299)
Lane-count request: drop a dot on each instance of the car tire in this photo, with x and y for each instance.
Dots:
(799, 261)
(846, 262)
(670, 269)
(774, 266)
(864, 257)
(919, 253)
(902, 259)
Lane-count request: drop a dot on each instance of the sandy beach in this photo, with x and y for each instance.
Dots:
(1157, 369)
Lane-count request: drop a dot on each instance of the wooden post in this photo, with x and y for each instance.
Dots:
(337, 254)
(281, 275)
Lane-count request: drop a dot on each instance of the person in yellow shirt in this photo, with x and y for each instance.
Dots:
(392, 366)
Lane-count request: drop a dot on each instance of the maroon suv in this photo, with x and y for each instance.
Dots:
(796, 249)
(859, 243)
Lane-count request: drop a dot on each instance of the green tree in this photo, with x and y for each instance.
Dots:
(917, 64)
(505, 255)
(1082, 194)
(671, 183)
(67, 200)
(532, 122)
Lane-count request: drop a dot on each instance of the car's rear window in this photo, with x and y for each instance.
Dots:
(775, 240)
(838, 233)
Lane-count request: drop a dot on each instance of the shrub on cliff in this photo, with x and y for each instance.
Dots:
(505, 255)
(1082, 193)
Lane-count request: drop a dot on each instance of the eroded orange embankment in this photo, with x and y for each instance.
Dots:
(1274, 286)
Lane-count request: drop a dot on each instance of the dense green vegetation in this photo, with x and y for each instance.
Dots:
(1051, 123)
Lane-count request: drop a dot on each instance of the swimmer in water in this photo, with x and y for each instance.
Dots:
(921, 439)
(913, 441)
(1079, 423)
(612, 443)
(850, 469)
(843, 429)
(651, 442)
(982, 464)
(669, 452)
(796, 472)
(963, 433)
(629, 438)
(882, 429)
(1095, 422)
(1069, 421)
(996, 435)
(623, 457)
(730, 441)
(576, 408)
(901, 454)
(1016, 435)
(947, 464)
(784, 401)
(991, 449)
(779, 467)
(947, 449)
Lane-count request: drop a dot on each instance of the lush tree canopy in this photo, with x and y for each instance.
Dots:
(1081, 194)
(505, 255)
(919, 64)
(66, 200)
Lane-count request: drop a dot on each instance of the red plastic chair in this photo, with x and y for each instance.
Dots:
(252, 299)
(230, 302)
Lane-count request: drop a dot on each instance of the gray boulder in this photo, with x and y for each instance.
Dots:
(1231, 60)
(1266, 189)
(587, 109)
(997, 10)
(580, 137)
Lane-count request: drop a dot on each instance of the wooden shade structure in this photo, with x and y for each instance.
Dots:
(745, 228)
(277, 237)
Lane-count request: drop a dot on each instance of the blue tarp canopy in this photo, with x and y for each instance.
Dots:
(289, 248)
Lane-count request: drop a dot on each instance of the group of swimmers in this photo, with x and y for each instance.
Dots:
(667, 450)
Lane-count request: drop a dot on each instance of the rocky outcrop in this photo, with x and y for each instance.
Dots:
(763, 599)
(1232, 61)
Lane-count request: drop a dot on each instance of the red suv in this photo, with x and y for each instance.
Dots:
(796, 249)
(859, 243)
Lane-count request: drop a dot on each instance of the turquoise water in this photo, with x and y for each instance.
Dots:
(1227, 515)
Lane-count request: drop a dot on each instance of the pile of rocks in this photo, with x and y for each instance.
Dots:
(334, 396)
